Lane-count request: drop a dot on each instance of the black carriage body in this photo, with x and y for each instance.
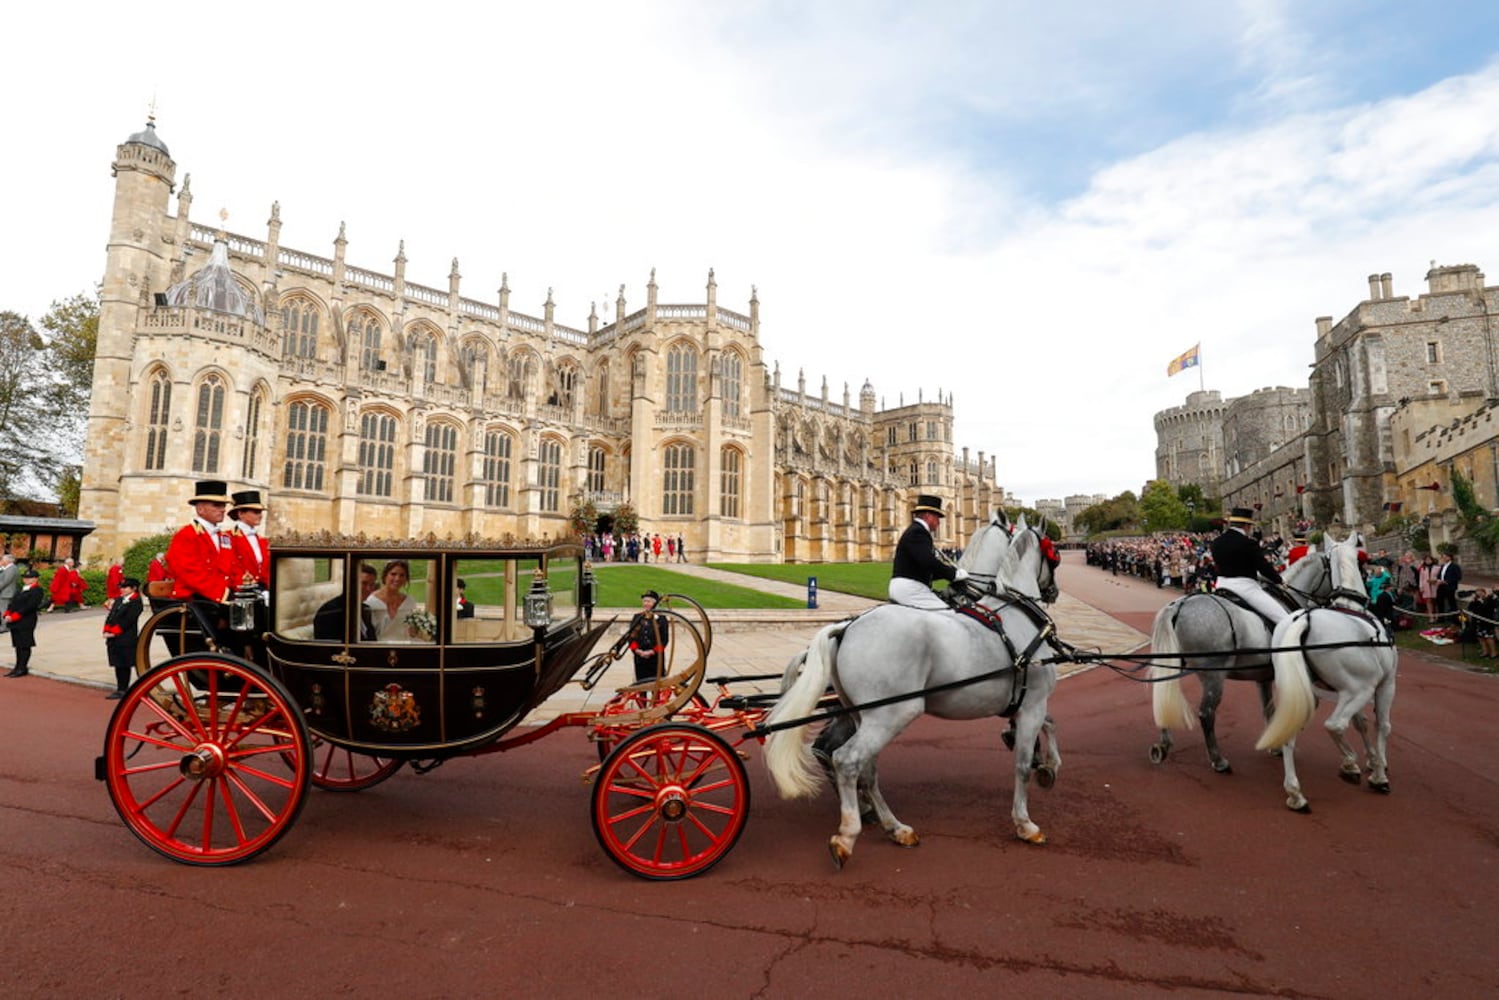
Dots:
(412, 695)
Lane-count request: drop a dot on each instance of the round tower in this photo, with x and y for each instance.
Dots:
(137, 265)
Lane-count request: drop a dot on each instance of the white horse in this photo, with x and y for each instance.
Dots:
(1352, 655)
(1202, 625)
(896, 663)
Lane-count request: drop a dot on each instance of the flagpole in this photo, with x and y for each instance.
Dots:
(1200, 386)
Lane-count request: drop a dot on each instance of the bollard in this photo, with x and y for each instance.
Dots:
(812, 592)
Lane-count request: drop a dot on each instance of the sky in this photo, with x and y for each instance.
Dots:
(1030, 207)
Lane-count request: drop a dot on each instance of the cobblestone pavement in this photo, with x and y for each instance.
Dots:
(70, 647)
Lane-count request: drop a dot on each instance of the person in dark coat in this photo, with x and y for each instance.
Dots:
(21, 614)
(120, 633)
(1241, 564)
(646, 636)
(917, 563)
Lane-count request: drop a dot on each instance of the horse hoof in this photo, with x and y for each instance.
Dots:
(1382, 787)
(1352, 777)
(905, 837)
(1034, 836)
(839, 852)
(1157, 753)
(1046, 776)
(1224, 767)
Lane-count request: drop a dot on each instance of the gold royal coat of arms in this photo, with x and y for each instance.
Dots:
(394, 710)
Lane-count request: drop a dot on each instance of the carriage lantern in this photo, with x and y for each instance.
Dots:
(242, 610)
(538, 605)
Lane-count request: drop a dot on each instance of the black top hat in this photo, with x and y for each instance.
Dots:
(30, 574)
(245, 500)
(248, 500)
(212, 491)
(925, 503)
(652, 595)
(131, 582)
(1241, 515)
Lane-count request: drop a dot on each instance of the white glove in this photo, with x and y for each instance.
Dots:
(960, 576)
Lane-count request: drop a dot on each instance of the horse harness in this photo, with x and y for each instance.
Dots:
(1021, 660)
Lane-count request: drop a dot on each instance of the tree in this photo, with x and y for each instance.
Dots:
(1121, 512)
(30, 447)
(1162, 507)
(72, 327)
(69, 488)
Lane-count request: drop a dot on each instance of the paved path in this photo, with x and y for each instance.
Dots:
(70, 647)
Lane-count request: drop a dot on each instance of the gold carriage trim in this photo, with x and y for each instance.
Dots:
(428, 542)
(394, 710)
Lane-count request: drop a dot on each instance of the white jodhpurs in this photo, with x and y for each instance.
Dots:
(1254, 595)
(914, 594)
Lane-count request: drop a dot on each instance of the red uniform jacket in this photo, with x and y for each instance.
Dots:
(203, 565)
(63, 586)
(157, 570)
(245, 546)
(112, 581)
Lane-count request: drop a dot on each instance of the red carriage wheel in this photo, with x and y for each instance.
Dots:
(670, 802)
(206, 760)
(335, 769)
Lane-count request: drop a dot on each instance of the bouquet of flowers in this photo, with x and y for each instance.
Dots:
(421, 625)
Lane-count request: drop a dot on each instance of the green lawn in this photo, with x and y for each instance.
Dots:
(621, 584)
(871, 580)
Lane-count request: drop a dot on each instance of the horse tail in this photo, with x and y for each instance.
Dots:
(788, 756)
(1166, 698)
(1294, 699)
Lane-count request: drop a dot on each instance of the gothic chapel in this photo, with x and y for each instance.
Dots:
(360, 402)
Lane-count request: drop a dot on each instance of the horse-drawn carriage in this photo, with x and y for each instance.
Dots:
(237, 711)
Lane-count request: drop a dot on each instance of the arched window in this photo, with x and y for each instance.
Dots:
(299, 320)
(252, 434)
(439, 461)
(932, 475)
(156, 421)
(915, 473)
(733, 383)
(426, 353)
(549, 474)
(469, 361)
(595, 469)
(364, 332)
(497, 446)
(677, 480)
(681, 379)
(377, 454)
(729, 482)
(567, 386)
(306, 446)
(208, 425)
(519, 373)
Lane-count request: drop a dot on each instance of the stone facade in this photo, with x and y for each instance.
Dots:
(359, 401)
(1189, 442)
(1390, 351)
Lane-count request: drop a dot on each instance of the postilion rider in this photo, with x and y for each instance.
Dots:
(917, 563)
(1241, 563)
(205, 568)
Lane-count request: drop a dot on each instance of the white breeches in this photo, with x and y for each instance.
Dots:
(914, 594)
(1254, 595)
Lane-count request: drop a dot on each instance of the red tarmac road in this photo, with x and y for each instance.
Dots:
(483, 877)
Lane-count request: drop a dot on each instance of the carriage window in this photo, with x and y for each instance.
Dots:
(490, 607)
(400, 608)
(309, 598)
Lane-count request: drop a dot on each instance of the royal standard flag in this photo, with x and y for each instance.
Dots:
(1183, 362)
